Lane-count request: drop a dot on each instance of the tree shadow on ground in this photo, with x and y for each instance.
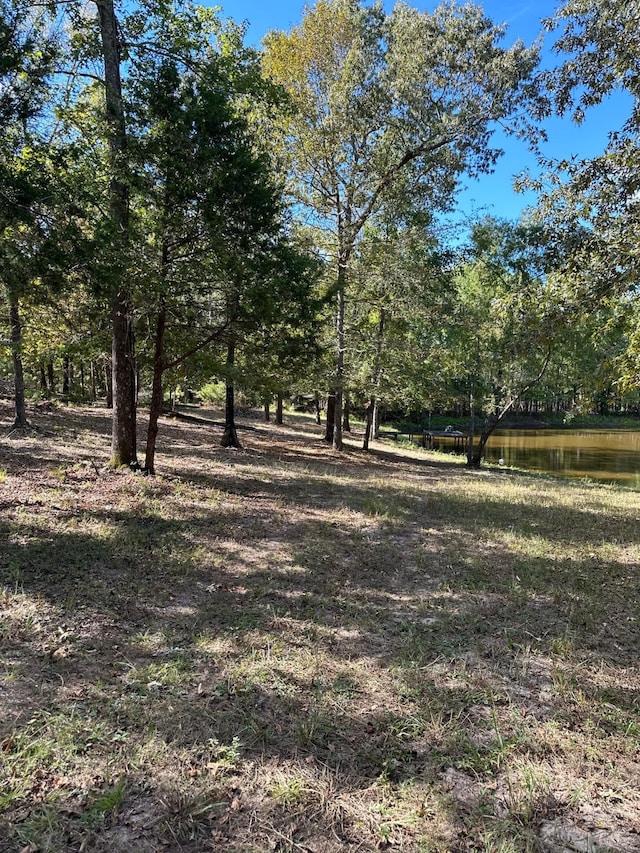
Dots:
(357, 638)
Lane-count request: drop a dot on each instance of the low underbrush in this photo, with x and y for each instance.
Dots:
(288, 649)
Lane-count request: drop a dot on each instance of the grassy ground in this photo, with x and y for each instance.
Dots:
(288, 649)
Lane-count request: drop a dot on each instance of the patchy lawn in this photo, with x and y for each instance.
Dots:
(288, 649)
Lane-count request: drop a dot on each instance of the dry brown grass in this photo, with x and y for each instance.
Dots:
(288, 649)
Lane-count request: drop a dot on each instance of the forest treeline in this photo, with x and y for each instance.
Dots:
(181, 214)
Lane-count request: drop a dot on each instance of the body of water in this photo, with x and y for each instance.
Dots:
(610, 456)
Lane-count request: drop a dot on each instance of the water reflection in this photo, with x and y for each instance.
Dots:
(610, 456)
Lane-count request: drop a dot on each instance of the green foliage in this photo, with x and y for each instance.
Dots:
(373, 102)
(403, 283)
(509, 312)
(600, 55)
(212, 393)
(210, 211)
(387, 111)
(592, 206)
(29, 50)
(368, 119)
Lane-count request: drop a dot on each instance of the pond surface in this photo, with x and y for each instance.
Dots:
(610, 456)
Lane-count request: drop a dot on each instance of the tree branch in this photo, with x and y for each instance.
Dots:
(409, 156)
(182, 358)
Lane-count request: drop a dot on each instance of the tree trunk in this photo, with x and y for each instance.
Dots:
(65, 377)
(475, 452)
(18, 373)
(372, 407)
(472, 434)
(346, 411)
(43, 380)
(157, 395)
(377, 417)
(51, 378)
(279, 419)
(155, 406)
(230, 436)
(340, 339)
(367, 430)
(92, 374)
(123, 435)
(267, 411)
(316, 403)
(331, 419)
(108, 384)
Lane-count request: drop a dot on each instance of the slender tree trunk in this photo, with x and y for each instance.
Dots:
(267, 411)
(82, 388)
(65, 376)
(230, 436)
(123, 436)
(157, 394)
(108, 384)
(279, 419)
(51, 378)
(472, 432)
(18, 373)
(340, 340)
(372, 408)
(92, 374)
(43, 380)
(377, 417)
(155, 406)
(346, 412)
(369, 423)
(316, 403)
(475, 451)
(331, 417)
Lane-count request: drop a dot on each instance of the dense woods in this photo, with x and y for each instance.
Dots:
(181, 214)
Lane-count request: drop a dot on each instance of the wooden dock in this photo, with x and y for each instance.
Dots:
(446, 437)
(430, 439)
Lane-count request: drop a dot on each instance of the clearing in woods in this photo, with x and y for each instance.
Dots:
(288, 649)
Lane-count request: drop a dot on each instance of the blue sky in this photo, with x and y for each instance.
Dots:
(493, 193)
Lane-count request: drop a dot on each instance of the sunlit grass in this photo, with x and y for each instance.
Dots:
(286, 646)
